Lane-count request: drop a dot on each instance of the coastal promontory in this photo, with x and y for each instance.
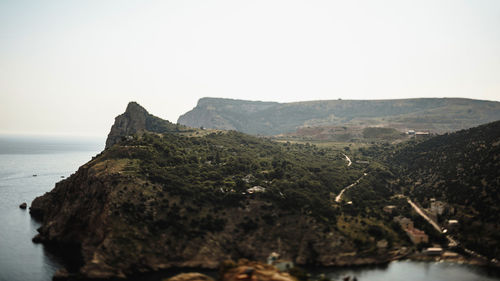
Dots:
(163, 195)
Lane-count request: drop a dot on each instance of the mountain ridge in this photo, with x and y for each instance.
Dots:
(438, 115)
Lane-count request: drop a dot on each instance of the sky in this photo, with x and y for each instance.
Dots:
(70, 67)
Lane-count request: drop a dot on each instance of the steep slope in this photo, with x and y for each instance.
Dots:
(137, 120)
(461, 169)
(155, 201)
(270, 118)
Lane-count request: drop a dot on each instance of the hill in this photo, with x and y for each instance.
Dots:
(135, 121)
(461, 170)
(437, 115)
(182, 197)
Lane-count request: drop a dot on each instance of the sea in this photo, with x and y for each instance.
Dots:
(31, 166)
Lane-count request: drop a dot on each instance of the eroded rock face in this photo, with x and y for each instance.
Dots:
(254, 271)
(192, 276)
(244, 270)
(133, 121)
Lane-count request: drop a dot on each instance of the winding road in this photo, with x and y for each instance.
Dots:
(339, 197)
(349, 162)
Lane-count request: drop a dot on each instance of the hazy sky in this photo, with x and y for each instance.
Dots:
(70, 67)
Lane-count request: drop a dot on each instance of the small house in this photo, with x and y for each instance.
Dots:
(417, 236)
(433, 251)
(255, 189)
(389, 209)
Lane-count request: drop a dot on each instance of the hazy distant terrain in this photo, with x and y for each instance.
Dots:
(437, 115)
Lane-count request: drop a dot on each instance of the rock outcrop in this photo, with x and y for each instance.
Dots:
(254, 271)
(137, 120)
(192, 276)
(244, 270)
(133, 121)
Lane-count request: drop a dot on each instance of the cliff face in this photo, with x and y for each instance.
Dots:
(137, 120)
(437, 115)
(225, 114)
(133, 121)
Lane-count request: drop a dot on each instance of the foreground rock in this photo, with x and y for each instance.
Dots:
(193, 276)
(254, 271)
(245, 270)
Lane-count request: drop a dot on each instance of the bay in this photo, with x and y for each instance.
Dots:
(31, 166)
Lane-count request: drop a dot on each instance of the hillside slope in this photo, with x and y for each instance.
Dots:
(462, 170)
(437, 115)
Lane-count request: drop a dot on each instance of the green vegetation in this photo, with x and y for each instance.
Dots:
(382, 133)
(219, 167)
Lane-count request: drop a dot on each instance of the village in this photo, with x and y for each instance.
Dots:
(449, 251)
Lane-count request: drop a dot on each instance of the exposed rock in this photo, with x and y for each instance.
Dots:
(254, 271)
(23, 205)
(37, 239)
(135, 121)
(193, 276)
(61, 274)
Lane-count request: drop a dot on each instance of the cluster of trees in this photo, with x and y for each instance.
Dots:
(217, 169)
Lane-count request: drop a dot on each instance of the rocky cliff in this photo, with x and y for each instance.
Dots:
(135, 121)
(159, 200)
(437, 115)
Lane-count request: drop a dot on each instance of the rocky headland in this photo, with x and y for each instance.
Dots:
(163, 195)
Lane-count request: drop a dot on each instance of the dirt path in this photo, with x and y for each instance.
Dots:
(339, 197)
(423, 215)
(349, 162)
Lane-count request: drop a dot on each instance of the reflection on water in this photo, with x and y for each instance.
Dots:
(412, 271)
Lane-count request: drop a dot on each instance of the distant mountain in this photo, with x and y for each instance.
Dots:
(437, 115)
(461, 169)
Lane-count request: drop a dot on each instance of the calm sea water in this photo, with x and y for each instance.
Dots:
(51, 158)
(21, 158)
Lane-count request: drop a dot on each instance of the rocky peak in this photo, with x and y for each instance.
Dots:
(132, 121)
(137, 120)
